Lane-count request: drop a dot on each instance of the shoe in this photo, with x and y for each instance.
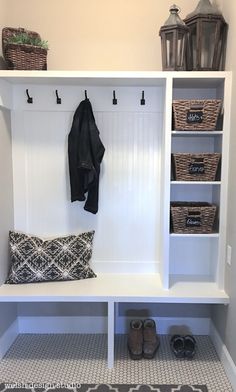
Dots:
(189, 346)
(151, 341)
(177, 344)
(135, 339)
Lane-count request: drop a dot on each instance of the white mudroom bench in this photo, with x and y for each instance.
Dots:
(135, 257)
(112, 289)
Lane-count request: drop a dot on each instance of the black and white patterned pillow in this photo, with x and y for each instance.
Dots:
(36, 260)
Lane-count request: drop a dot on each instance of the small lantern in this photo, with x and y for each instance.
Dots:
(208, 36)
(174, 35)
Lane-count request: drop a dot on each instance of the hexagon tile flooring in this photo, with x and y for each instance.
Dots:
(72, 358)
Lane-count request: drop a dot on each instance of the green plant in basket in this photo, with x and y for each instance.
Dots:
(26, 39)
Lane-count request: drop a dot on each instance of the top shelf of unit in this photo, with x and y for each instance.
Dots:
(121, 78)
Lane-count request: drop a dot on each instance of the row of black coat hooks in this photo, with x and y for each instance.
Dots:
(58, 99)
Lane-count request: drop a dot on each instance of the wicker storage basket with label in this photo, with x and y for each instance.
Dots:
(23, 56)
(196, 167)
(193, 217)
(196, 115)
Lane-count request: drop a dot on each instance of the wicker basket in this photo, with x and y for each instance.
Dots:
(196, 167)
(196, 115)
(193, 217)
(21, 56)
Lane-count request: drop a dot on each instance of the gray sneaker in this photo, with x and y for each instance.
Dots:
(151, 341)
(135, 339)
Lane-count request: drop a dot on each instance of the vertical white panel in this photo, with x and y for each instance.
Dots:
(220, 276)
(165, 194)
(6, 191)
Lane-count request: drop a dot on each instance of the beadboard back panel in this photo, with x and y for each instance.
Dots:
(127, 225)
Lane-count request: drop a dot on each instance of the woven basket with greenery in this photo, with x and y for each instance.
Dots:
(23, 49)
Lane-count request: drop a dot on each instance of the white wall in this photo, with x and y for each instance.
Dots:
(6, 187)
(8, 311)
(225, 317)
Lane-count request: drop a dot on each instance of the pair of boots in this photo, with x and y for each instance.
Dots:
(143, 341)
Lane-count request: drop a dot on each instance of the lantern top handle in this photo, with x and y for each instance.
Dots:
(174, 18)
(174, 9)
(204, 7)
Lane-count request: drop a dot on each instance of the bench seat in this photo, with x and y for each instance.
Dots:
(116, 288)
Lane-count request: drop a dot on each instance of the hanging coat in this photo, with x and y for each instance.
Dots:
(85, 151)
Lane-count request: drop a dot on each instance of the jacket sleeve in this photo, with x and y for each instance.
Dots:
(96, 151)
(76, 177)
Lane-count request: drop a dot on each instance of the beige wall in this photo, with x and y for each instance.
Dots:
(96, 34)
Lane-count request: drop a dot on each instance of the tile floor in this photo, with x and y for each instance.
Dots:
(71, 358)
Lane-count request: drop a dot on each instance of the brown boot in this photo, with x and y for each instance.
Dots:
(151, 341)
(135, 339)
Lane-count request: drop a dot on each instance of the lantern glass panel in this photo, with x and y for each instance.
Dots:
(208, 44)
(180, 49)
(170, 49)
(193, 43)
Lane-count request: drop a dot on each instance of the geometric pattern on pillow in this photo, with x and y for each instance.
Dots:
(36, 260)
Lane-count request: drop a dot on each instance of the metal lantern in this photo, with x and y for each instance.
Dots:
(207, 36)
(174, 35)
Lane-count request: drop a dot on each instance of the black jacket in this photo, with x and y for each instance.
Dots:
(85, 151)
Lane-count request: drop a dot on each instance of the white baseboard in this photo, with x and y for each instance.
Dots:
(224, 356)
(83, 324)
(8, 338)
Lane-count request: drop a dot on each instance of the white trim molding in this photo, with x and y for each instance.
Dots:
(224, 355)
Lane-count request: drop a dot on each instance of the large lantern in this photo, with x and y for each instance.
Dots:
(174, 35)
(207, 36)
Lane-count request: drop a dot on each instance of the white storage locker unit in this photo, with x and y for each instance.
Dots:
(135, 256)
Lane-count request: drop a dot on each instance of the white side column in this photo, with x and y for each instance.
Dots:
(111, 334)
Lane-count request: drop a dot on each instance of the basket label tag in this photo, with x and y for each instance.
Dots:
(196, 168)
(195, 117)
(193, 221)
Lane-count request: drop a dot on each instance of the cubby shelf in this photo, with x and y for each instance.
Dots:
(195, 183)
(197, 133)
(190, 235)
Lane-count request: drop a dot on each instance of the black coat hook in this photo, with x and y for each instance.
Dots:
(29, 99)
(142, 101)
(114, 101)
(58, 98)
(85, 93)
